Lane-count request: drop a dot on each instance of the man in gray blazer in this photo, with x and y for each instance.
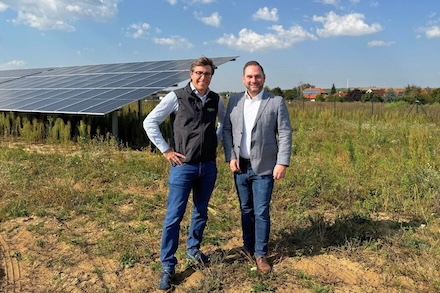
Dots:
(257, 140)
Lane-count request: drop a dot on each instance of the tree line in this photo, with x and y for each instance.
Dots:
(410, 94)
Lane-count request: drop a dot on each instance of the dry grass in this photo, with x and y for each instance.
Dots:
(357, 212)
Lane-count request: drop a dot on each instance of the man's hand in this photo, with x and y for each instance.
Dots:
(279, 172)
(233, 164)
(173, 157)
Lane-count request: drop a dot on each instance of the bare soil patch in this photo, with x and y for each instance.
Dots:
(40, 260)
(49, 254)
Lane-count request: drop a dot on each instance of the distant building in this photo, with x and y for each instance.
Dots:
(377, 92)
(381, 92)
(340, 94)
(312, 93)
(399, 92)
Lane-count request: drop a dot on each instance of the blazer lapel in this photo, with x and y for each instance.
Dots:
(263, 105)
(240, 109)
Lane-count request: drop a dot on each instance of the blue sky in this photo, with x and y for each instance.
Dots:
(359, 43)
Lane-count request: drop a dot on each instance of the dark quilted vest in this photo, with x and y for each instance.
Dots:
(194, 126)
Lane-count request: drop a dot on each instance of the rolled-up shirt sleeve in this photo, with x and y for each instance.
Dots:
(157, 116)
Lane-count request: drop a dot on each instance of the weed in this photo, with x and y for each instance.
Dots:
(17, 255)
(98, 271)
(128, 258)
(41, 243)
(360, 187)
(260, 287)
(312, 283)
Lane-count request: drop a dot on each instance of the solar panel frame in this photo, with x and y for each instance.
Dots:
(91, 89)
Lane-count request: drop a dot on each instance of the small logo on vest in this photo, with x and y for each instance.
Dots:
(210, 109)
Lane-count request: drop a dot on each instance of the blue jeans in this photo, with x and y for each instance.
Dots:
(199, 178)
(255, 193)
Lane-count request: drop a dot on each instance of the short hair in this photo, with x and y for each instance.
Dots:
(253, 62)
(203, 61)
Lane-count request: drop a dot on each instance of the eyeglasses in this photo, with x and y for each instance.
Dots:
(205, 74)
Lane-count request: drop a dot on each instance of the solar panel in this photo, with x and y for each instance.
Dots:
(90, 89)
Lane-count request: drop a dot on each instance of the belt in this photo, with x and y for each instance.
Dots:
(244, 161)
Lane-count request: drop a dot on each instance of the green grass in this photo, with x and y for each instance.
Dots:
(360, 186)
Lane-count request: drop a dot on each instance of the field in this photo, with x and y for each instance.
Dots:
(358, 211)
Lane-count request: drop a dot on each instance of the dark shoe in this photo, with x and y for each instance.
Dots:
(248, 255)
(165, 280)
(198, 258)
(262, 265)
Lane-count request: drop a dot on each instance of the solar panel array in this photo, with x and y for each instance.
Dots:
(91, 89)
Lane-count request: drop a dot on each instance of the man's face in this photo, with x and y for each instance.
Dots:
(253, 79)
(201, 78)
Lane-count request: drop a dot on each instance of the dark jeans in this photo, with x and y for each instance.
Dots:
(255, 193)
(199, 178)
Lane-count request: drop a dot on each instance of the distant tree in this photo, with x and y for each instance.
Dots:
(333, 90)
(296, 92)
(306, 86)
(411, 94)
(371, 97)
(290, 94)
(367, 97)
(353, 95)
(277, 91)
(334, 98)
(425, 98)
(389, 96)
(435, 95)
(319, 98)
(378, 98)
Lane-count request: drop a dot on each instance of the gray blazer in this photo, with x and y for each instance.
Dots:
(271, 140)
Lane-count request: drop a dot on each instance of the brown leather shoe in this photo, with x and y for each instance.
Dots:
(262, 265)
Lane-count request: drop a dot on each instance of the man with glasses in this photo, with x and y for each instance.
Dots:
(257, 138)
(194, 111)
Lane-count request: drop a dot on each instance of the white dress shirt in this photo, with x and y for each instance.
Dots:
(251, 106)
(169, 104)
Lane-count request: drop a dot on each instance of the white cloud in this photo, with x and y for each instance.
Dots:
(85, 50)
(329, 2)
(202, 1)
(266, 14)
(191, 2)
(212, 20)
(378, 43)
(137, 30)
(3, 7)
(374, 3)
(345, 25)
(60, 14)
(248, 40)
(432, 14)
(174, 42)
(432, 32)
(14, 64)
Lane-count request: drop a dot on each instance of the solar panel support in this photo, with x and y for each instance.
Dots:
(115, 128)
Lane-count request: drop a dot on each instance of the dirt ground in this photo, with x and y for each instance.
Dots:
(31, 261)
(27, 266)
